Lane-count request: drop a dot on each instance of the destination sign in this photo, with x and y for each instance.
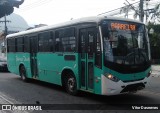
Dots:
(121, 26)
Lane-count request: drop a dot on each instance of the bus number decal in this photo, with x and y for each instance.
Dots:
(22, 59)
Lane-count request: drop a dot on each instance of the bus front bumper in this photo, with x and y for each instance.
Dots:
(114, 88)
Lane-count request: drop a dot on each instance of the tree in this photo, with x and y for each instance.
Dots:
(155, 15)
(154, 42)
(7, 6)
(155, 37)
(126, 10)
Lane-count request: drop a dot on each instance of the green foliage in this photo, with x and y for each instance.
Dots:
(155, 37)
(7, 6)
(155, 16)
(155, 42)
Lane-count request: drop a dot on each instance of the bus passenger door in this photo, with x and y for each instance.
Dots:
(87, 45)
(33, 55)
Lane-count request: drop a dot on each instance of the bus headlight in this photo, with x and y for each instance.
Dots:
(111, 77)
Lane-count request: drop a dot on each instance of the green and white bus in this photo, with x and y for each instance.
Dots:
(102, 55)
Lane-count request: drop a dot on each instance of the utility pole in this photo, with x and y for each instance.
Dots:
(5, 25)
(141, 10)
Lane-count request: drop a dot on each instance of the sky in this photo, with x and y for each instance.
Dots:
(56, 11)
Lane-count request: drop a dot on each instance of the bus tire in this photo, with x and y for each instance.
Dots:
(23, 74)
(70, 84)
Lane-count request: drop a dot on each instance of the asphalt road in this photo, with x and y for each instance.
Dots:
(16, 91)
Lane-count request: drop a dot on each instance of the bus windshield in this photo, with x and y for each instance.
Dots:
(125, 42)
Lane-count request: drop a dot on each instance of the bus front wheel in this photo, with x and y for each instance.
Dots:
(23, 74)
(71, 84)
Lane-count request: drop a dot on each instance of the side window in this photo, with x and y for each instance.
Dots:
(11, 45)
(26, 44)
(20, 44)
(43, 43)
(68, 40)
(83, 37)
(91, 38)
(33, 43)
(58, 42)
(40, 43)
(98, 44)
(92, 33)
(51, 42)
(65, 40)
(8, 45)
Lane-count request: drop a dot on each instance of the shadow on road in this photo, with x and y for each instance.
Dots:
(116, 100)
(37, 92)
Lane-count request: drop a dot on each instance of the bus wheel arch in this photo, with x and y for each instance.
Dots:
(69, 81)
(22, 72)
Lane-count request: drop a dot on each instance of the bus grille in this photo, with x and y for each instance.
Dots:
(132, 80)
(133, 87)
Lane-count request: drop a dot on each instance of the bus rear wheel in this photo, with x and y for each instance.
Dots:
(70, 84)
(23, 74)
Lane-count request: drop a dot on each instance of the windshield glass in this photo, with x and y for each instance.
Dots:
(125, 42)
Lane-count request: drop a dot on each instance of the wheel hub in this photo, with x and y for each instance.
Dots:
(71, 84)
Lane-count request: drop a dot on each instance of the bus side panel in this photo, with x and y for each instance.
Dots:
(23, 58)
(27, 64)
(11, 62)
(50, 66)
(47, 68)
(97, 80)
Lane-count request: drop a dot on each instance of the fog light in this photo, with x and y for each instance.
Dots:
(111, 77)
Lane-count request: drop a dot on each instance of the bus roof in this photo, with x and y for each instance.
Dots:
(94, 19)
